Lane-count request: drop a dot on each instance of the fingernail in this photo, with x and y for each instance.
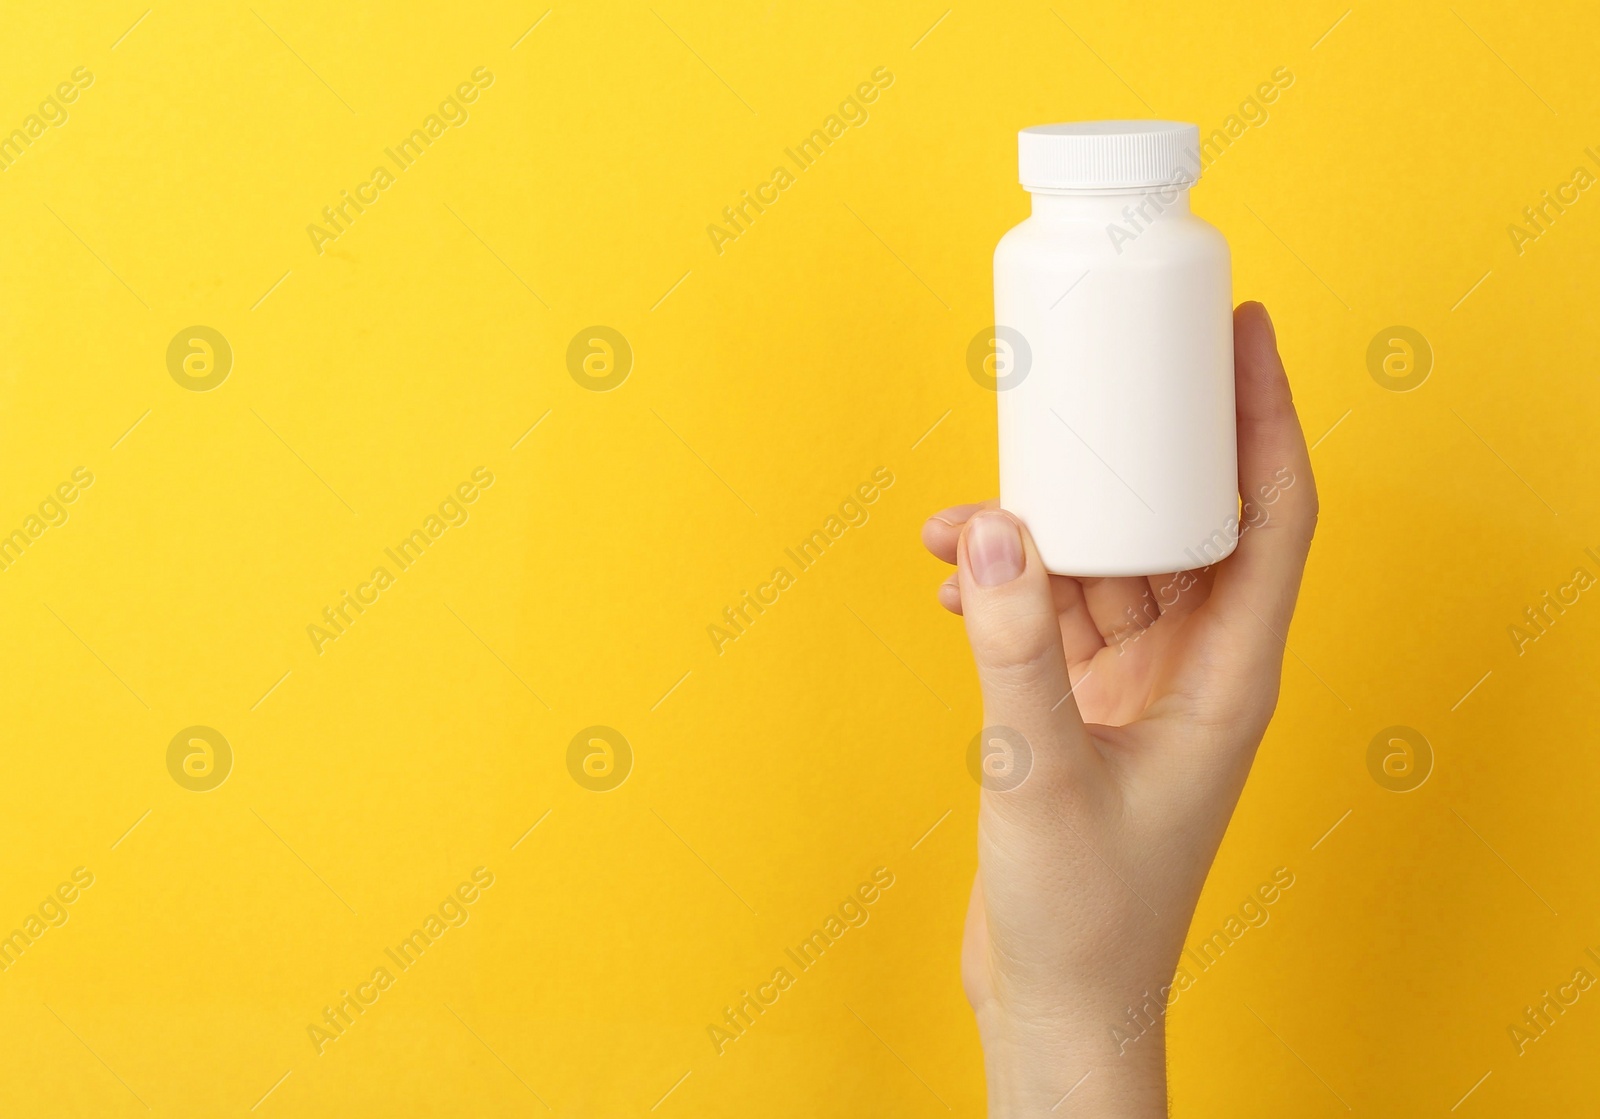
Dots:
(950, 595)
(956, 515)
(995, 548)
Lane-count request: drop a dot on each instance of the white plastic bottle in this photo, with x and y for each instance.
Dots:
(1114, 342)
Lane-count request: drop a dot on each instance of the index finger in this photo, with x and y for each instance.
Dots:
(1275, 482)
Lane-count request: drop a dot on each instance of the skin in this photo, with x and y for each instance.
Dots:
(1142, 702)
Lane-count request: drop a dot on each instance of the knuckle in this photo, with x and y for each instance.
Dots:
(1013, 649)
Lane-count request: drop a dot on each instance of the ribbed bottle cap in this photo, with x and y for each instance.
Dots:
(1108, 155)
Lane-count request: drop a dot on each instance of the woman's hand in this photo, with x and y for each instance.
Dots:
(1130, 710)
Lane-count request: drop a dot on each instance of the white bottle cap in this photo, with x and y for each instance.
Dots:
(1108, 155)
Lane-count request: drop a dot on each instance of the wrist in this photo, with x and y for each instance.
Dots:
(1090, 1070)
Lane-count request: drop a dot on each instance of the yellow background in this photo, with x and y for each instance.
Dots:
(820, 346)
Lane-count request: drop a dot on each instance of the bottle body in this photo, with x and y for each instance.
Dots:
(1117, 429)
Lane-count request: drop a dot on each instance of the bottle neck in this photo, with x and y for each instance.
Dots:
(1144, 205)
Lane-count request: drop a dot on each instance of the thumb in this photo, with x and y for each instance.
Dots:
(1016, 641)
